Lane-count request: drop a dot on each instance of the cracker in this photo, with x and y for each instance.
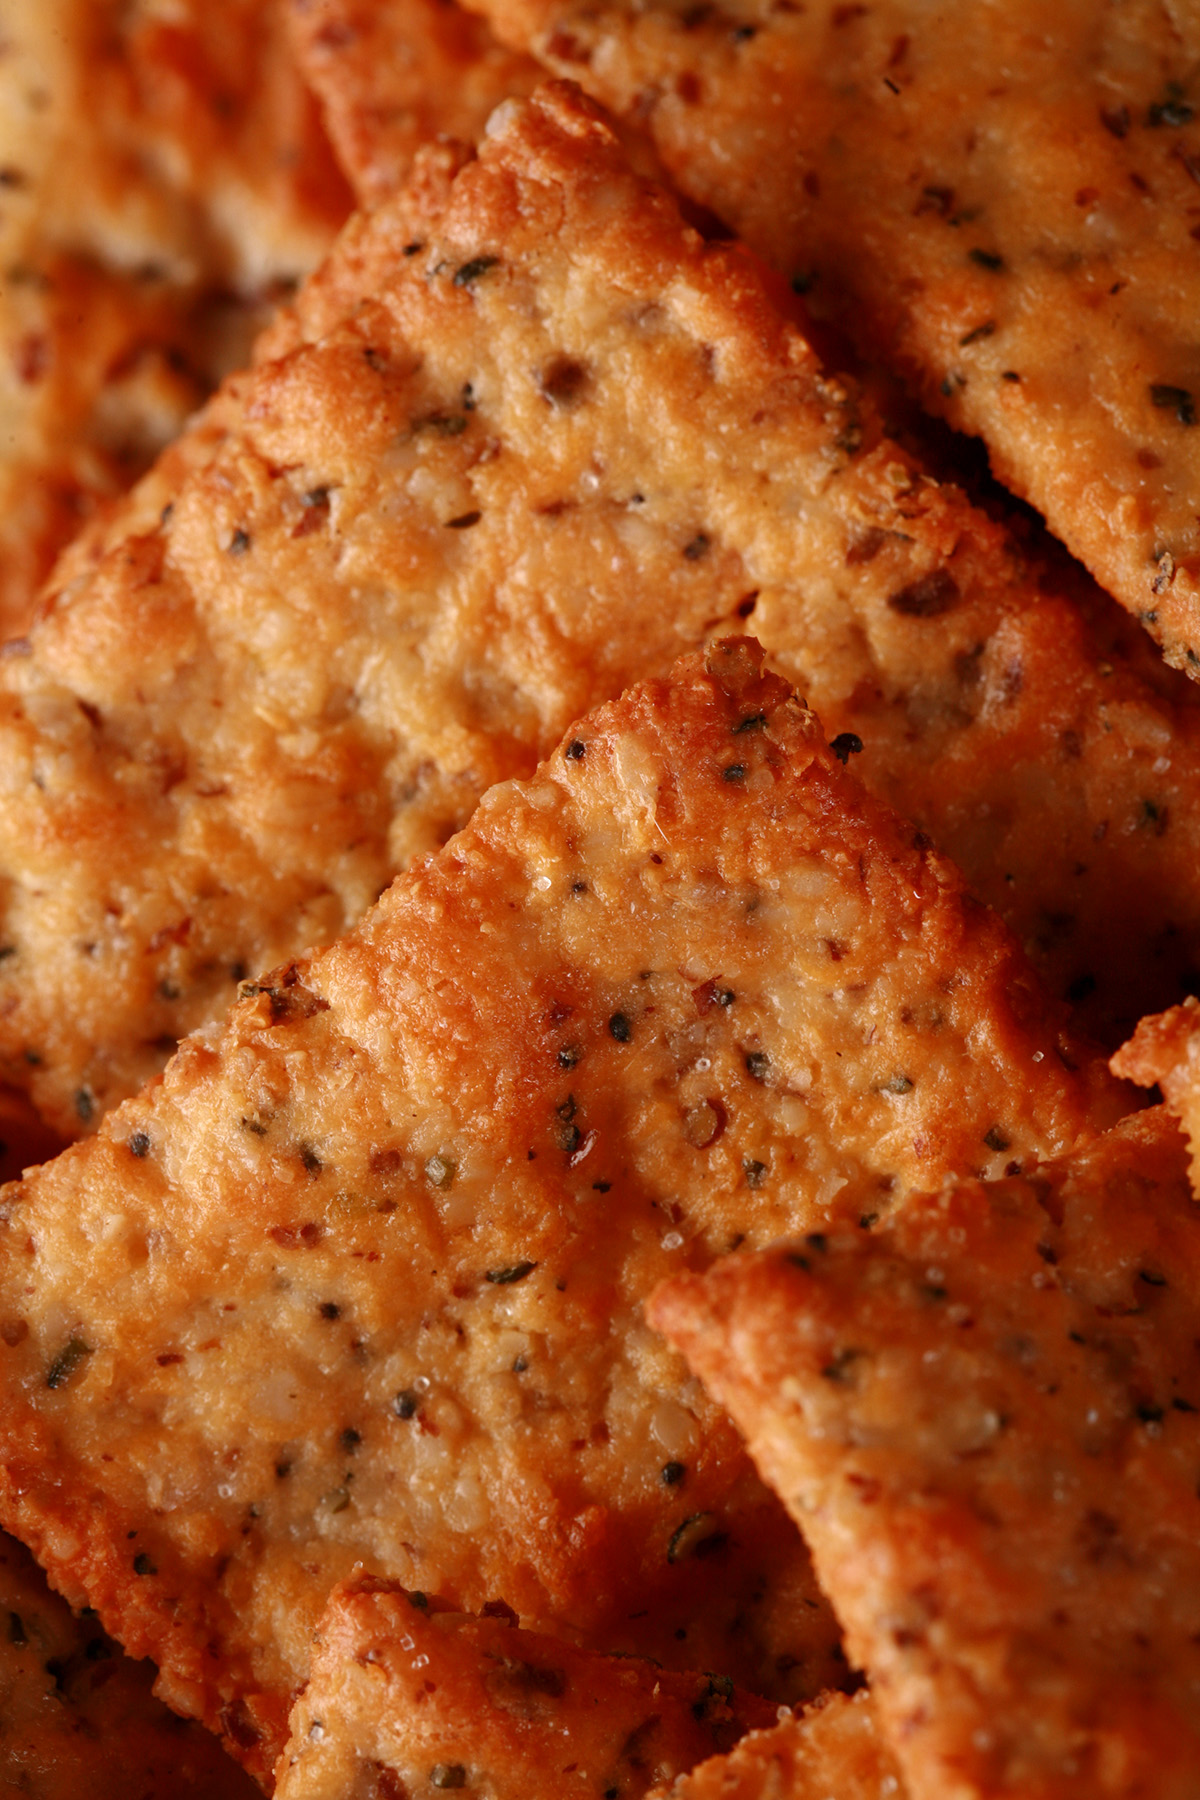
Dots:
(359, 1279)
(160, 178)
(79, 1719)
(415, 547)
(985, 1415)
(1025, 274)
(424, 1700)
(395, 74)
(835, 1749)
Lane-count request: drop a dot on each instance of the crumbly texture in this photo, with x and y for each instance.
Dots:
(1165, 1052)
(405, 1694)
(393, 75)
(160, 178)
(1003, 210)
(414, 546)
(78, 1719)
(833, 1752)
(360, 1278)
(985, 1415)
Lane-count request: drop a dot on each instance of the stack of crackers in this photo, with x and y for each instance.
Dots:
(589, 902)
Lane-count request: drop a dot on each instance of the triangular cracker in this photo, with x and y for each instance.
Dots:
(1029, 269)
(833, 1752)
(425, 1699)
(360, 1278)
(985, 1415)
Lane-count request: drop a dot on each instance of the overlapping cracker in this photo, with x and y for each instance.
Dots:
(393, 75)
(360, 1278)
(985, 1414)
(78, 1720)
(161, 174)
(833, 1752)
(1005, 210)
(416, 1700)
(416, 544)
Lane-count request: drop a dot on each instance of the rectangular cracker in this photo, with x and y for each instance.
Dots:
(835, 1751)
(415, 547)
(418, 1699)
(359, 1279)
(1030, 273)
(78, 1720)
(985, 1415)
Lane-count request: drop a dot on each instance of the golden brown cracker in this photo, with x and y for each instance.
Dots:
(78, 1719)
(985, 1414)
(1019, 244)
(835, 1751)
(427, 1700)
(413, 547)
(360, 1278)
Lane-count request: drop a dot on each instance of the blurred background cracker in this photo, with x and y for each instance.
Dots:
(78, 1720)
(163, 177)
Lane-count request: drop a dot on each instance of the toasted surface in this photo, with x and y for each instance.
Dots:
(395, 74)
(437, 1699)
(160, 178)
(687, 986)
(79, 1719)
(236, 722)
(833, 1752)
(1050, 241)
(986, 1416)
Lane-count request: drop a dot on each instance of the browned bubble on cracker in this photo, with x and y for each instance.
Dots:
(1019, 245)
(402, 1691)
(985, 1415)
(78, 1718)
(360, 1278)
(836, 1748)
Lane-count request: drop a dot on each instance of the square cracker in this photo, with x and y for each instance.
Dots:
(985, 1416)
(359, 1279)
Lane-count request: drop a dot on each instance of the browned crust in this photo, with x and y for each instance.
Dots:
(986, 1417)
(435, 1698)
(602, 1032)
